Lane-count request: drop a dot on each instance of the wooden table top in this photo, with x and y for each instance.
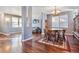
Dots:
(55, 29)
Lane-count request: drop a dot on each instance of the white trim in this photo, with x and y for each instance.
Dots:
(7, 34)
(28, 39)
(68, 34)
(65, 34)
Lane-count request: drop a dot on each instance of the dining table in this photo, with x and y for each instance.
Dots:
(59, 33)
(55, 29)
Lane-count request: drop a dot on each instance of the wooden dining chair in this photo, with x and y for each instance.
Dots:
(45, 35)
(53, 36)
(49, 35)
(57, 36)
(61, 35)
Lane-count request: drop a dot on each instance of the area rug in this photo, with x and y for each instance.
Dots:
(62, 46)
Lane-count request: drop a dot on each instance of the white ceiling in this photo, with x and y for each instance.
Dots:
(48, 9)
(36, 9)
(11, 9)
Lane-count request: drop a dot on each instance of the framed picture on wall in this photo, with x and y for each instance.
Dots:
(36, 21)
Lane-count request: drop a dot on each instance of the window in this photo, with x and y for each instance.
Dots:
(64, 21)
(16, 21)
(55, 21)
(20, 22)
(60, 21)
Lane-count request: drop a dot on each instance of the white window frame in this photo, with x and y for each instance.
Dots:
(59, 23)
(19, 24)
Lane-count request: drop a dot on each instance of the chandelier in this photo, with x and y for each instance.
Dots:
(56, 11)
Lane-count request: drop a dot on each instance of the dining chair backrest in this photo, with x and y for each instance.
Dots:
(62, 34)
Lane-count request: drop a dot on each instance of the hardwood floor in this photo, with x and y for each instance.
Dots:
(10, 44)
(36, 47)
(13, 44)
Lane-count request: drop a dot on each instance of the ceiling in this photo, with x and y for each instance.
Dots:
(48, 9)
(37, 9)
(11, 9)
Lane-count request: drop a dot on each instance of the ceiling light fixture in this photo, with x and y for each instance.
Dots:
(56, 11)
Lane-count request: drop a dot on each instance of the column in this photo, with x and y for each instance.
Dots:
(27, 22)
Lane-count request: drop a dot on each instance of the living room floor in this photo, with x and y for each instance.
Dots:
(13, 45)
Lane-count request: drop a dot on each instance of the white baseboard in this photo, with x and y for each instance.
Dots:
(27, 39)
(7, 34)
(68, 34)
